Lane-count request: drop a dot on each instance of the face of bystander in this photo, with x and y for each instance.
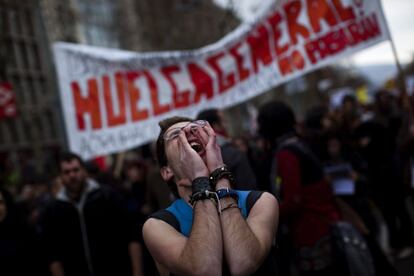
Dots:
(73, 176)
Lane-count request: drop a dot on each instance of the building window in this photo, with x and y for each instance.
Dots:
(98, 21)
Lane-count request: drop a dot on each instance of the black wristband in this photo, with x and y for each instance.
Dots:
(201, 190)
(219, 173)
(201, 184)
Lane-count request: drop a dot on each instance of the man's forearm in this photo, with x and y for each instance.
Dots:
(203, 252)
(242, 249)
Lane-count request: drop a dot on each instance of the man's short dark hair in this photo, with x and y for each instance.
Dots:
(161, 156)
(68, 157)
(210, 115)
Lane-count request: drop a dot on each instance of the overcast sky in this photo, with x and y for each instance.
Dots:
(400, 18)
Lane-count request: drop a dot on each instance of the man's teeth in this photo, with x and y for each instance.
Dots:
(196, 146)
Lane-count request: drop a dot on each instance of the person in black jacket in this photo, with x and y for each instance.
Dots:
(86, 230)
(19, 251)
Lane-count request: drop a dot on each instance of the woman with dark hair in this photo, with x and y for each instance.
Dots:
(17, 242)
(306, 200)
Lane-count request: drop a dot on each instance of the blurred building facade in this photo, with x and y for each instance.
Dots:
(160, 25)
(141, 25)
(26, 64)
(29, 27)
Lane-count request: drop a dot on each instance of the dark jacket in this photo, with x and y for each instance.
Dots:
(20, 253)
(92, 235)
(238, 164)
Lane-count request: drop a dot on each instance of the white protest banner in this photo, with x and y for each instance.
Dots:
(112, 100)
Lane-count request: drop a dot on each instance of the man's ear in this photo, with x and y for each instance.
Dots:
(166, 173)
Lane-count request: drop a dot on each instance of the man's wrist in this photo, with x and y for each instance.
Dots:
(223, 183)
(199, 174)
(230, 206)
(209, 202)
(227, 203)
(228, 200)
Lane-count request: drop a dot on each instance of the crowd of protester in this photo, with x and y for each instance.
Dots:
(351, 163)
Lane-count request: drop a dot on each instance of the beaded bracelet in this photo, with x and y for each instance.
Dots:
(219, 173)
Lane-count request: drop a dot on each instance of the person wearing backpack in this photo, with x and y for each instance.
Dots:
(307, 205)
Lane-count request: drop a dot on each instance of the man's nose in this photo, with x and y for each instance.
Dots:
(187, 130)
(190, 131)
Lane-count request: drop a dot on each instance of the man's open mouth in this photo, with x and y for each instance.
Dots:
(197, 146)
